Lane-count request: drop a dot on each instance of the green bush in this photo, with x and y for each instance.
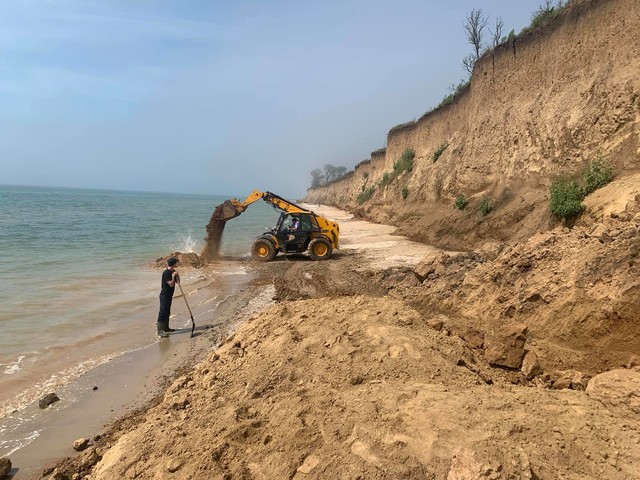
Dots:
(384, 181)
(596, 174)
(405, 192)
(439, 151)
(455, 91)
(545, 13)
(485, 206)
(365, 175)
(566, 198)
(366, 195)
(461, 202)
(405, 162)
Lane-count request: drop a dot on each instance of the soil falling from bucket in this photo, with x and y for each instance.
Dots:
(223, 212)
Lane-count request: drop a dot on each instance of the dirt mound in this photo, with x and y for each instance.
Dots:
(362, 387)
(577, 290)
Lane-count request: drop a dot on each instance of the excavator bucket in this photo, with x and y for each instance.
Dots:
(228, 210)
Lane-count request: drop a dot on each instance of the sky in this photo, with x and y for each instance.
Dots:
(217, 96)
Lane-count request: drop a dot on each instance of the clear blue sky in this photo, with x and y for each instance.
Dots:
(220, 97)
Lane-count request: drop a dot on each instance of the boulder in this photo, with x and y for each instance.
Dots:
(618, 388)
(505, 347)
(5, 467)
(47, 400)
(530, 365)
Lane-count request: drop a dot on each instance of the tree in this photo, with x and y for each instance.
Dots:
(317, 178)
(474, 25)
(329, 172)
(496, 35)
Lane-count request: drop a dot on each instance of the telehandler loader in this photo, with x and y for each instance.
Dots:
(312, 233)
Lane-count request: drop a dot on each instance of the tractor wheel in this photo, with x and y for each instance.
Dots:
(263, 250)
(319, 249)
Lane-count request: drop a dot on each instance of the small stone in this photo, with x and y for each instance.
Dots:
(174, 465)
(80, 444)
(5, 467)
(47, 400)
(309, 464)
(95, 388)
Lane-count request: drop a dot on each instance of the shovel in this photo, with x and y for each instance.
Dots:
(193, 323)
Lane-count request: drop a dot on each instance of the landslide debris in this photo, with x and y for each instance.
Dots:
(364, 387)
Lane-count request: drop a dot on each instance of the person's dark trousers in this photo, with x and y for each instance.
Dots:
(163, 314)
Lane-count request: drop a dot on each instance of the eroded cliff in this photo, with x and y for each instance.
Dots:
(536, 108)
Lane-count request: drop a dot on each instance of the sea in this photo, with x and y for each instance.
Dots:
(79, 288)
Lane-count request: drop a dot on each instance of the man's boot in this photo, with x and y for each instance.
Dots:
(160, 327)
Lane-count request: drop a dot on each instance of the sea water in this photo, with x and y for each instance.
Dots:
(76, 270)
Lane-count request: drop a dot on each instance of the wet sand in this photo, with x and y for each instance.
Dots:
(219, 302)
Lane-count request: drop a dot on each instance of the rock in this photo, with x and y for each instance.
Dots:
(619, 388)
(530, 365)
(572, 379)
(309, 464)
(5, 467)
(174, 465)
(89, 458)
(47, 471)
(80, 444)
(426, 266)
(47, 400)
(505, 348)
(436, 323)
(562, 383)
(473, 337)
(464, 466)
(634, 361)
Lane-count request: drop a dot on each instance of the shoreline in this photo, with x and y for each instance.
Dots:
(374, 241)
(134, 381)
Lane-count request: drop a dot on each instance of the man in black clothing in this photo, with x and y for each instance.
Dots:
(169, 279)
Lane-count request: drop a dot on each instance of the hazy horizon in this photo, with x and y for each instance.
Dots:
(214, 98)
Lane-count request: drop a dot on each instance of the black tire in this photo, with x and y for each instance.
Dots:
(263, 250)
(319, 249)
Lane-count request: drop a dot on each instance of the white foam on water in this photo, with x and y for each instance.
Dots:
(13, 367)
(17, 444)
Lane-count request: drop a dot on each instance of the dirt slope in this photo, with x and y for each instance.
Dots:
(361, 387)
(363, 371)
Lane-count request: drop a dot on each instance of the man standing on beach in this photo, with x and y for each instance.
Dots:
(169, 279)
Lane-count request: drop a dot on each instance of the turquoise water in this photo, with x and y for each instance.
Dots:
(76, 267)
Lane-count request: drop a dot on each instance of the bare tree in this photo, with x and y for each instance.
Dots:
(496, 35)
(474, 25)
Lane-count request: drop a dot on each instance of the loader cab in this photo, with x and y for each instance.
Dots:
(295, 240)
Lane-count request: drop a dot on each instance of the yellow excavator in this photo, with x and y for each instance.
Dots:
(298, 230)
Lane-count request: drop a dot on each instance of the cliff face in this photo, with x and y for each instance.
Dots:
(536, 108)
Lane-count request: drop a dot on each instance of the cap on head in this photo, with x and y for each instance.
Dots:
(171, 261)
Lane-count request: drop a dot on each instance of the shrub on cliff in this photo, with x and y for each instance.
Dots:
(461, 202)
(485, 206)
(597, 174)
(405, 162)
(405, 192)
(365, 195)
(566, 198)
(439, 151)
(384, 181)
